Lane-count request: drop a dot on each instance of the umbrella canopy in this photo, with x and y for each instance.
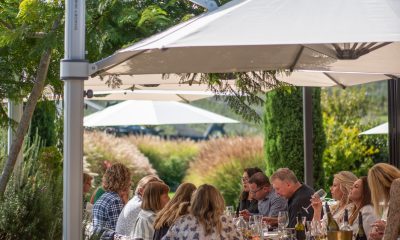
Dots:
(156, 87)
(381, 129)
(152, 113)
(149, 87)
(341, 36)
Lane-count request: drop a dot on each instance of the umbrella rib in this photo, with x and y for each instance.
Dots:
(184, 99)
(293, 65)
(394, 77)
(334, 80)
(379, 46)
(113, 65)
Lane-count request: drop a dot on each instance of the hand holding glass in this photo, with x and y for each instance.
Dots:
(321, 194)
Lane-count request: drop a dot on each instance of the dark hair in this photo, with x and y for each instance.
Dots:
(365, 199)
(260, 179)
(253, 170)
(250, 172)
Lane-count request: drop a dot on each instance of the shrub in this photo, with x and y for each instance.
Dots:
(170, 158)
(32, 205)
(221, 163)
(100, 147)
(284, 143)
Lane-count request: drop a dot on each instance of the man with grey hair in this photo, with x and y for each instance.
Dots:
(127, 217)
(298, 195)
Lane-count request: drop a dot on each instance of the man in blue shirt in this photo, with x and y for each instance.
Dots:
(269, 203)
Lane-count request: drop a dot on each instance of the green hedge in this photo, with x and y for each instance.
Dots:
(284, 132)
(169, 158)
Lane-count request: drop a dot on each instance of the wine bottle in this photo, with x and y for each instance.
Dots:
(332, 224)
(300, 228)
(345, 226)
(361, 233)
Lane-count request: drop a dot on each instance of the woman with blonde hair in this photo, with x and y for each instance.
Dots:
(116, 183)
(342, 183)
(155, 197)
(384, 181)
(175, 208)
(205, 219)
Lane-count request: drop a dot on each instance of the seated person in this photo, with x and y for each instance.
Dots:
(127, 218)
(155, 197)
(116, 183)
(342, 183)
(177, 207)
(247, 200)
(360, 195)
(298, 195)
(205, 219)
(269, 203)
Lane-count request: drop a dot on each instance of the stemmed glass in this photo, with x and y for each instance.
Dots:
(321, 194)
(283, 219)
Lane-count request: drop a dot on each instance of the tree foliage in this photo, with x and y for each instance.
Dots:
(284, 132)
(343, 112)
(44, 122)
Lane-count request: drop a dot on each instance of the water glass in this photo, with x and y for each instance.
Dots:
(229, 211)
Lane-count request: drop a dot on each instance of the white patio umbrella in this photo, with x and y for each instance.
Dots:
(248, 35)
(138, 112)
(149, 87)
(380, 129)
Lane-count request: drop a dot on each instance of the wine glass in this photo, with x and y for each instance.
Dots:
(321, 194)
(283, 219)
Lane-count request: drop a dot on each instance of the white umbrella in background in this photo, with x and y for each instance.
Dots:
(133, 112)
(381, 129)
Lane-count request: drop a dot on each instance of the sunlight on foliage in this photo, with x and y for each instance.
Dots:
(171, 158)
(100, 147)
(221, 162)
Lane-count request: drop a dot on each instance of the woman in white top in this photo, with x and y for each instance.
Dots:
(155, 197)
(342, 183)
(360, 195)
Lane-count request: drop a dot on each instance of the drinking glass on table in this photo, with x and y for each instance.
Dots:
(321, 194)
(283, 220)
(229, 211)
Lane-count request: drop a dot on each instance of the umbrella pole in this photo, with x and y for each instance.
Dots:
(394, 121)
(73, 70)
(308, 136)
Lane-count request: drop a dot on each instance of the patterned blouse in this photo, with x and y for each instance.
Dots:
(392, 230)
(188, 228)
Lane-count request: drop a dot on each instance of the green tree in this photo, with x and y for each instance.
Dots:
(31, 46)
(343, 111)
(284, 132)
(28, 31)
(44, 122)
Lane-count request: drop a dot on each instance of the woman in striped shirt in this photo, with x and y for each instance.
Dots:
(155, 197)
